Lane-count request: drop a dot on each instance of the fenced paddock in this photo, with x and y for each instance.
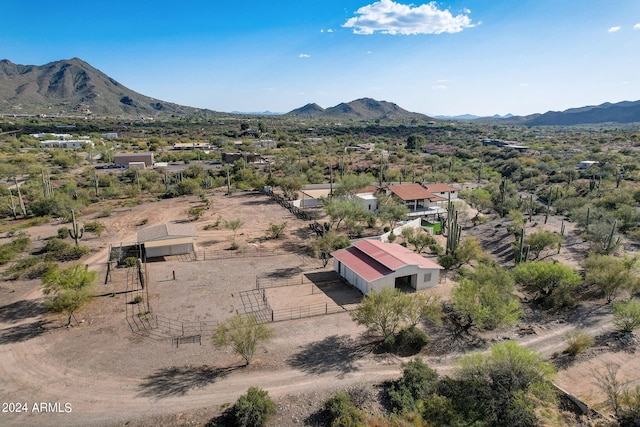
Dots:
(311, 294)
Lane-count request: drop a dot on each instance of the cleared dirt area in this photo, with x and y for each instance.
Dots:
(113, 375)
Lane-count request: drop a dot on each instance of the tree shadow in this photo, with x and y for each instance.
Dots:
(23, 332)
(284, 273)
(20, 310)
(178, 381)
(336, 353)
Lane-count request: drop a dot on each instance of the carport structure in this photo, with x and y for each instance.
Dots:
(167, 239)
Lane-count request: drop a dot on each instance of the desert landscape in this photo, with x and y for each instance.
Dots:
(110, 373)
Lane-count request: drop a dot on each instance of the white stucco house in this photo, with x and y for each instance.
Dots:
(444, 191)
(371, 265)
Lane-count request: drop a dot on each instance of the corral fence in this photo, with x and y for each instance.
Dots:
(305, 311)
(298, 312)
(299, 213)
(204, 255)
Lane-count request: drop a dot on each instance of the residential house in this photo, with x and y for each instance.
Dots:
(445, 191)
(418, 199)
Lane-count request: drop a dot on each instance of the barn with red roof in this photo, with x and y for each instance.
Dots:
(371, 265)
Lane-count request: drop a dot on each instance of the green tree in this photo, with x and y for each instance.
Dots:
(392, 213)
(542, 240)
(418, 383)
(330, 241)
(338, 211)
(485, 299)
(626, 315)
(611, 274)
(505, 387)
(478, 198)
(68, 289)
(242, 333)
(552, 283)
(290, 186)
(252, 409)
(350, 183)
(470, 249)
(415, 142)
(382, 312)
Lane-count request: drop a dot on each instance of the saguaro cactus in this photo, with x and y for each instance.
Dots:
(521, 252)
(561, 235)
(76, 232)
(453, 230)
(47, 188)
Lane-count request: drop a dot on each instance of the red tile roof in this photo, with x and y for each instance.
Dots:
(372, 259)
(410, 192)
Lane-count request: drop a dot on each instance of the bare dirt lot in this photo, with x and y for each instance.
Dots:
(111, 375)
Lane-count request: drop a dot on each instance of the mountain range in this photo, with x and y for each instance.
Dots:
(360, 109)
(74, 87)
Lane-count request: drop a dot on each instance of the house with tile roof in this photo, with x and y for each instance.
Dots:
(420, 201)
(445, 191)
(371, 265)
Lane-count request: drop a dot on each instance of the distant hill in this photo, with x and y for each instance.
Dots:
(72, 87)
(360, 109)
(471, 117)
(620, 112)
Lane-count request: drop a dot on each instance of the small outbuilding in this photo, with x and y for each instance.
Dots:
(371, 265)
(124, 159)
(167, 239)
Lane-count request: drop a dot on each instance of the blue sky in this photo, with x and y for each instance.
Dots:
(482, 57)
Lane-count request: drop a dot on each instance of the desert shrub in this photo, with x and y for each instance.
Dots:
(59, 250)
(577, 342)
(252, 409)
(626, 316)
(63, 233)
(274, 231)
(447, 261)
(11, 250)
(130, 261)
(29, 268)
(138, 299)
(341, 411)
(104, 213)
(95, 227)
(417, 383)
(411, 339)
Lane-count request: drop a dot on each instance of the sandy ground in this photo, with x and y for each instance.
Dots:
(111, 375)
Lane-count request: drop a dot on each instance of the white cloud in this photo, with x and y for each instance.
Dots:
(304, 55)
(636, 27)
(389, 17)
(524, 84)
(330, 30)
(439, 87)
(614, 29)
